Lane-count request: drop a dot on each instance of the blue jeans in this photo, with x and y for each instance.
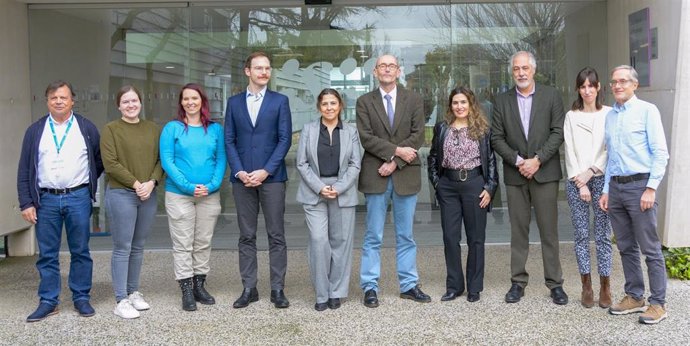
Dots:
(130, 221)
(73, 210)
(406, 248)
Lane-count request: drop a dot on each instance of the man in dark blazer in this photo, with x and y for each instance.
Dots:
(390, 121)
(258, 135)
(527, 132)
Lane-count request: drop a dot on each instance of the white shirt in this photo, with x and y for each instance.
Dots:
(585, 146)
(254, 102)
(394, 95)
(70, 167)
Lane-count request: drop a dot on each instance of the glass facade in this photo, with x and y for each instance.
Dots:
(438, 46)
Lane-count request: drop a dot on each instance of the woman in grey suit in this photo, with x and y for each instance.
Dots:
(328, 161)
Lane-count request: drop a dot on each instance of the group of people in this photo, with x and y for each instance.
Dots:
(615, 159)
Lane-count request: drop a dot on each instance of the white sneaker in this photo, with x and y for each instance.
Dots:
(125, 309)
(138, 302)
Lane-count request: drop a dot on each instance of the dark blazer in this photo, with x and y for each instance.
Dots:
(265, 145)
(545, 134)
(379, 140)
(27, 176)
(488, 159)
(308, 165)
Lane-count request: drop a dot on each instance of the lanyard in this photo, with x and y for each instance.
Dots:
(64, 136)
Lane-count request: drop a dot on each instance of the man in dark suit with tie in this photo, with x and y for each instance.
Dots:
(390, 121)
(258, 135)
(527, 131)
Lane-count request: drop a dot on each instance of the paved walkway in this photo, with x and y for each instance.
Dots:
(535, 320)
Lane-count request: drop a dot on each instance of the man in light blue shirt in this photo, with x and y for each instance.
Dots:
(637, 158)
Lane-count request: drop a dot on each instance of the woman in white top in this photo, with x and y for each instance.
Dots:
(585, 161)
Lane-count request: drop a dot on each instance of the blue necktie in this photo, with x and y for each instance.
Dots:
(389, 109)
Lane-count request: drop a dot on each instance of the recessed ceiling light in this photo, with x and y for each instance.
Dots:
(170, 67)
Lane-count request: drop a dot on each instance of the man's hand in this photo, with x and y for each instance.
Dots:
(529, 167)
(406, 153)
(585, 194)
(604, 202)
(648, 198)
(257, 177)
(29, 214)
(387, 168)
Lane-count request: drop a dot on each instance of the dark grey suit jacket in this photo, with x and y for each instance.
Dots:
(545, 134)
(379, 140)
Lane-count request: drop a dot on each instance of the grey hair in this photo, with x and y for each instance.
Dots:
(530, 57)
(633, 73)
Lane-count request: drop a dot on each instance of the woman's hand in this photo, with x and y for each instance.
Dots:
(328, 192)
(200, 190)
(585, 195)
(485, 199)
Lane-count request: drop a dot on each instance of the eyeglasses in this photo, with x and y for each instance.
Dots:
(621, 82)
(261, 68)
(391, 67)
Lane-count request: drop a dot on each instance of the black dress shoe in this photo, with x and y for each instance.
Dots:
(448, 296)
(515, 293)
(558, 295)
(279, 299)
(472, 297)
(370, 299)
(333, 303)
(249, 295)
(416, 294)
(320, 306)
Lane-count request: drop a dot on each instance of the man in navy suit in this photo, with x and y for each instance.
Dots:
(258, 135)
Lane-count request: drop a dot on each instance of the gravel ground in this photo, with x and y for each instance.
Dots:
(534, 320)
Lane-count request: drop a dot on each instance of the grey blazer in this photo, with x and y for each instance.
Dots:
(544, 139)
(308, 166)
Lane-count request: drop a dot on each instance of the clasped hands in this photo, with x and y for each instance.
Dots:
(328, 192)
(144, 189)
(407, 154)
(254, 178)
(529, 167)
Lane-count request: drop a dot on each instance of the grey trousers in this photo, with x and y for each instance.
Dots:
(520, 200)
(271, 198)
(635, 232)
(329, 253)
(130, 221)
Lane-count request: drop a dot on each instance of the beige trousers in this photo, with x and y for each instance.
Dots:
(191, 221)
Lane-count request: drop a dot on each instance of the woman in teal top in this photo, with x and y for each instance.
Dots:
(192, 154)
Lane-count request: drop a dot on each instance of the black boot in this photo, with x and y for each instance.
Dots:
(200, 294)
(187, 286)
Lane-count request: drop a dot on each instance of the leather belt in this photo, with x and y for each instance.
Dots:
(462, 174)
(64, 191)
(624, 179)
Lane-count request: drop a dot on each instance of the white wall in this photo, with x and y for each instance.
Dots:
(15, 106)
(666, 16)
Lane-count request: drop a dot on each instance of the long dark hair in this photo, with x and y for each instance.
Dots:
(205, 109)
(477, 125)
(329, 91)
(591, 75)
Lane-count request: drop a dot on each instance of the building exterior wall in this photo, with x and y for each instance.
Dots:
(666, 91)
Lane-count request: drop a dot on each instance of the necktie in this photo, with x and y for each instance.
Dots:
(389, 109)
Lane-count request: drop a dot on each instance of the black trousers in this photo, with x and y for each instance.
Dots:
(459, 201)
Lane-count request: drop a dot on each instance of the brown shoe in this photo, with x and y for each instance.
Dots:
(628, 305)
(654, 314)
(604, 292)
(587, 298)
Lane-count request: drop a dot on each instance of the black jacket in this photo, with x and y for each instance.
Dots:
(488, 159)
